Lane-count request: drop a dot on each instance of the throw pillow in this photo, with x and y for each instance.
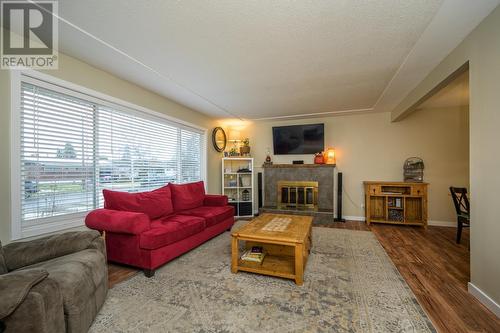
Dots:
(187, 196)
(155, 203)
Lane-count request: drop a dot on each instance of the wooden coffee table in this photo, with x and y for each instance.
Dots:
(285, 238)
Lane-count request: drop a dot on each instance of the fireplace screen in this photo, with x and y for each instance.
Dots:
(297, 195)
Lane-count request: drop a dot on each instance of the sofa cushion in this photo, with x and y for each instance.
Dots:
(155, 203)
(187, 196)
(78, 276)
(211, 214)
(171, 229)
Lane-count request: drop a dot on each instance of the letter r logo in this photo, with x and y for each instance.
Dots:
(28, 28)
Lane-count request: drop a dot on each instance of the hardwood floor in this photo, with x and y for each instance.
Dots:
(435, 268)
(119, 273)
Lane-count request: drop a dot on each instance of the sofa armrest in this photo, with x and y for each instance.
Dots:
(215, 200)
(21, 254)
(15, 286)
(118, 221)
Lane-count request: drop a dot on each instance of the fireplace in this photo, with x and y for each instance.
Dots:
(299, 189)
(321, 174)
(302, 195)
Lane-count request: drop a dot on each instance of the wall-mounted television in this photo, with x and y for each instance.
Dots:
(299, 139)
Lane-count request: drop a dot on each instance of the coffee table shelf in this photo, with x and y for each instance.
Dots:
(281, 266)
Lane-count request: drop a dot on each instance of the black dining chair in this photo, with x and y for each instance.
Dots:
(462, 206)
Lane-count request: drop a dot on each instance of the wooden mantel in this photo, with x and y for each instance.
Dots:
(299, 166)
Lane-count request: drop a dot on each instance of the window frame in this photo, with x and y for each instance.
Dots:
(61, 222)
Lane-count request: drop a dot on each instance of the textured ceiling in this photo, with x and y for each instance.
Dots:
(251, 59)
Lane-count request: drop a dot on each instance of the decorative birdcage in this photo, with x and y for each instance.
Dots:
(414, 170)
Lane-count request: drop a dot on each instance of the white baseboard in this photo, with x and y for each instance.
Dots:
(442, 223)
(355, 218)
(484, 299)
(431, 222)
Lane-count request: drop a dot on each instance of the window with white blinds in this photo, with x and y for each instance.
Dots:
(73, 148)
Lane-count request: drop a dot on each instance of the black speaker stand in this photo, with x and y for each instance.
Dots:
(339, 199)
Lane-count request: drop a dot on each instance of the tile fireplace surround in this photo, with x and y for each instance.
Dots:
(321, 173)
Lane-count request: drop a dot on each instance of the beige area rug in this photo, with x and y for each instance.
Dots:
(350, 285)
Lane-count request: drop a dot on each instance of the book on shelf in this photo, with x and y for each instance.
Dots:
(257, 257)
(257, 249)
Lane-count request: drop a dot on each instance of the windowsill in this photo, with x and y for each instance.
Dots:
(58, 225)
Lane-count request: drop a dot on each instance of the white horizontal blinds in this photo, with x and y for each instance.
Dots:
(57, 154)
(135, 153)
(73, 148)
(190, 155)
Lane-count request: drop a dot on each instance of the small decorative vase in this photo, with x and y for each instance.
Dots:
(268, 160)
(319, 158)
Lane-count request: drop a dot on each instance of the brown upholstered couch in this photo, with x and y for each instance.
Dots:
(53, 284)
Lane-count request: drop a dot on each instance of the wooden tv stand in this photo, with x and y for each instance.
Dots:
(402, 203)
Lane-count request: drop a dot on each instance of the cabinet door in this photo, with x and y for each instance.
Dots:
(245, 208)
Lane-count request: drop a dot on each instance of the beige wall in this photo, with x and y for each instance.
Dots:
(370, 147)
(482, 49)
(78, 72)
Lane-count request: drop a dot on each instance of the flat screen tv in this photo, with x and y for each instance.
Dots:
(299, 139)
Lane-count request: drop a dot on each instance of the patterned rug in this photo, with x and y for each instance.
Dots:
(350, 285)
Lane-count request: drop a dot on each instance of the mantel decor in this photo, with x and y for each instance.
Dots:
(268, 160)
(329, 156)
(319, 158)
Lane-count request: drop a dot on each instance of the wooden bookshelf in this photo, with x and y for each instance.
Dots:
(402, 203)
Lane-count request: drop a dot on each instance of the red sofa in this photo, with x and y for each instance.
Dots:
(149, 229)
